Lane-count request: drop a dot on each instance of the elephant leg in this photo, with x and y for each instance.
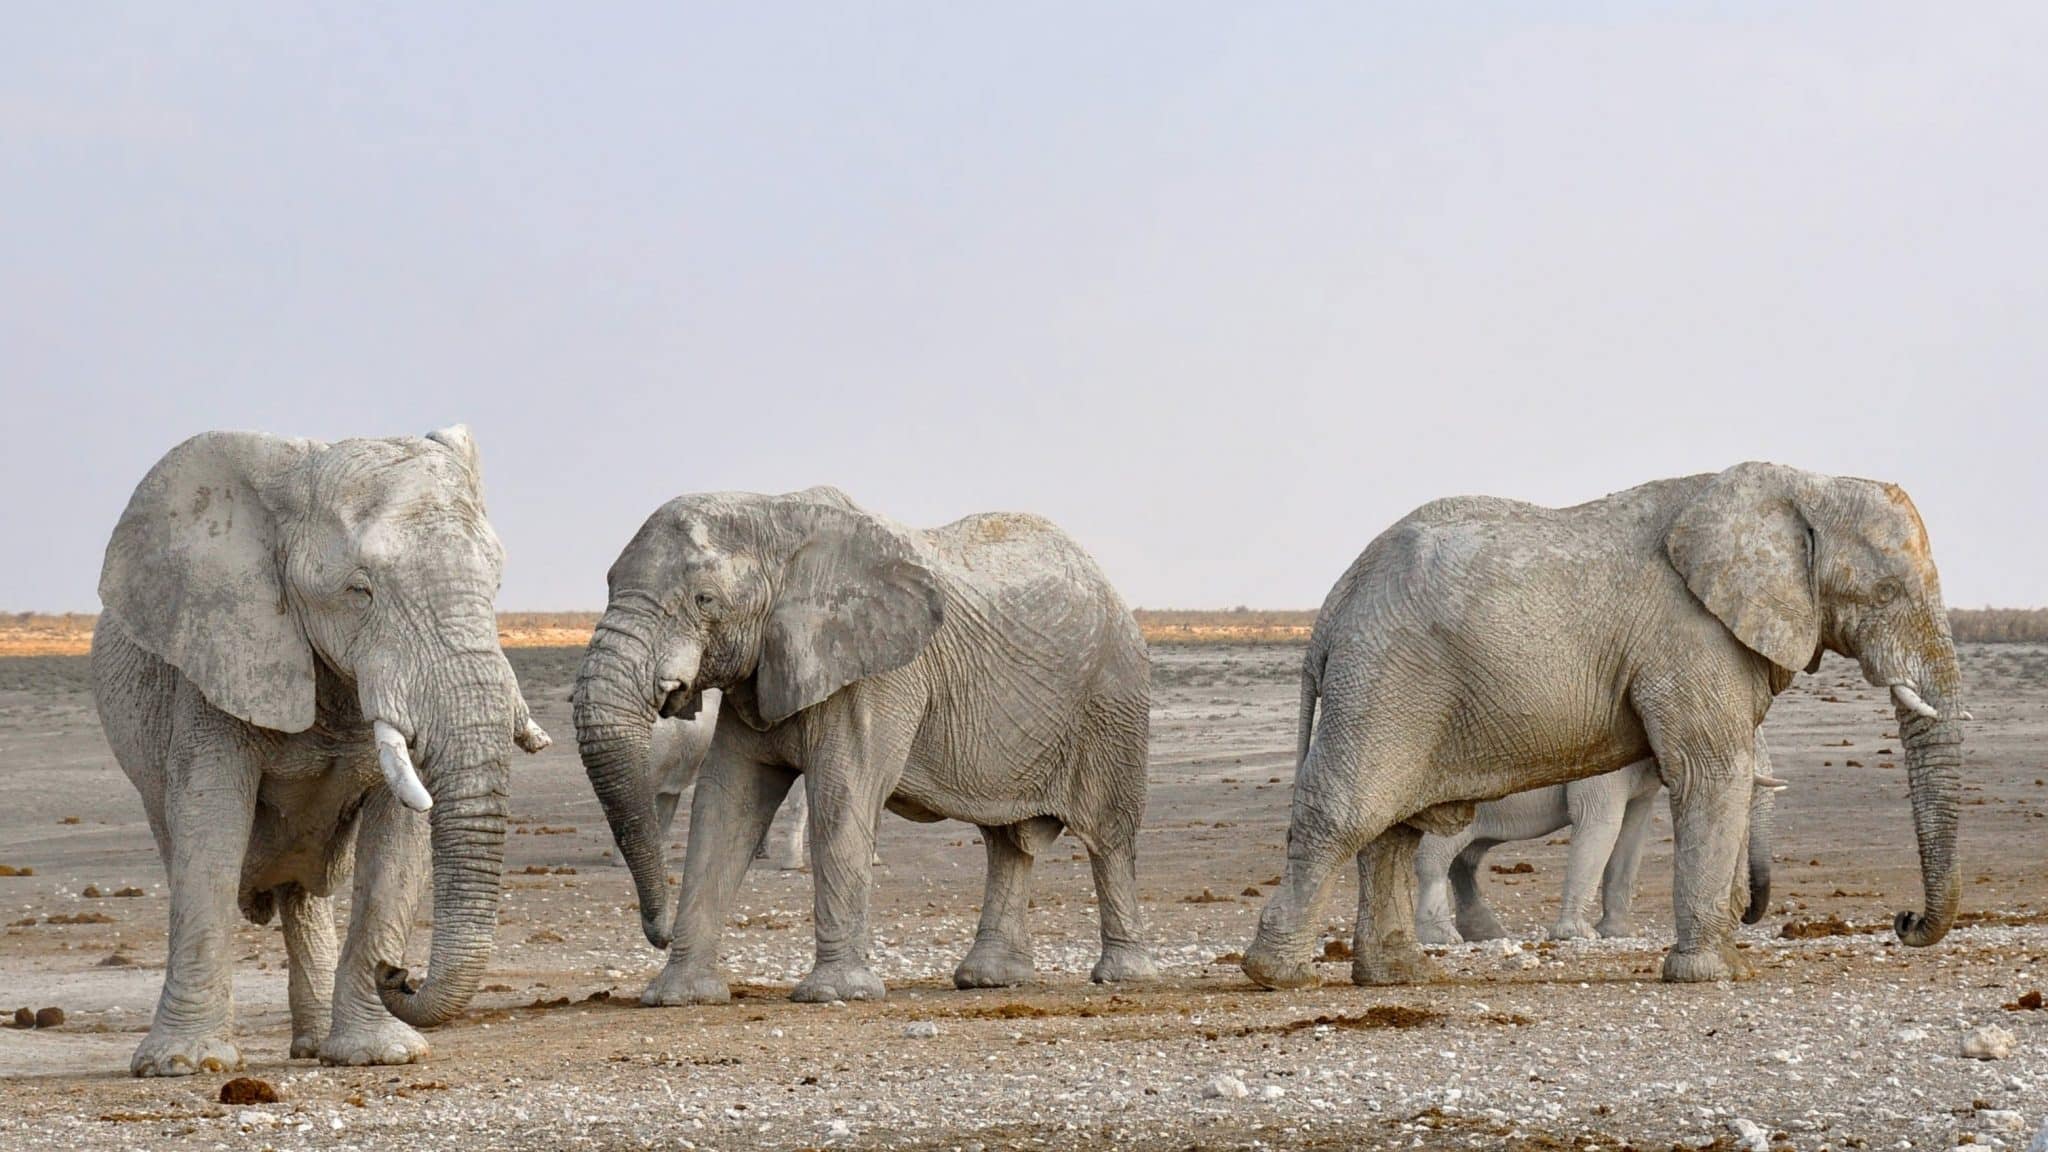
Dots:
(1383, 946)
(854, 768)
(1435, 916)
(1320, 835)
(393, 862)
(1597, 808)
(309, 957)
(796, 842)
(1710, 816)
(735, 801)
(1475, 918)
(1125, 958)
(209, 809)
(1001, 956)
(1618, 882)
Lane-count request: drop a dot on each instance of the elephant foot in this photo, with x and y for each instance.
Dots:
(840, 980)
(1124, 964)
(1401, 963)
(1476, 924)
(678, 984)
(385, 1041)
(1268, 969)
(1696, 967)
(306, 1045)
(1616, 928)
(1438, 932)
(994, 964)
(183, 1054)
(1572, 928)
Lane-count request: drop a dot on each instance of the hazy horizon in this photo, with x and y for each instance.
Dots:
(1222, 291)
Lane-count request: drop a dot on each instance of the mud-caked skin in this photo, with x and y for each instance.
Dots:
(984, 671)
(1609, 818)
(1481, 647)
(296, 636)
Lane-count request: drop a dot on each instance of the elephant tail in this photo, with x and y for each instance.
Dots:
(1311, 692)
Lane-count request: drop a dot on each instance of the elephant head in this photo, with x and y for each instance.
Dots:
(1795, 563)
(294, 582)
(779, 601)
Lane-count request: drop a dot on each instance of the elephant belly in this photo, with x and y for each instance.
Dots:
(305, 824)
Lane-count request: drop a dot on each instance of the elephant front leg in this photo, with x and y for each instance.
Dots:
(392, 865)
(1001, 956)
(1383, 946)
(1596, 827)
(1618, 881)
(209, 808)
(1710, 814)
(309, 957)
(842, 830)
(730, 812)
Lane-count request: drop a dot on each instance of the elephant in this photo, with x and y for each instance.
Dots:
(1610, 818)
(298, 668)
(1483, 646)
(984, 671)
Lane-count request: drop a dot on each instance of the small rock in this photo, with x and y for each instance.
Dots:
(248, 1090)
(49, 1017)
(2040, 1141)
(1749, 1135)
(921, 1029)
(2001, 1120)
(1987, 1042)
(1225, 1088)
(838, 1130)
(1271, 1093)
(254, 1119)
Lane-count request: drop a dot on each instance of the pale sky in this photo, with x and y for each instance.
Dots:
(1222, 289)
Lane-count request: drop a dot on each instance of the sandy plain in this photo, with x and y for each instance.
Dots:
(1842, 1041)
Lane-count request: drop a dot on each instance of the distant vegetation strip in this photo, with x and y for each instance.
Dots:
(69, 634)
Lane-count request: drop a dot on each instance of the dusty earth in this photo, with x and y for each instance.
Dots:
(1842, 1041)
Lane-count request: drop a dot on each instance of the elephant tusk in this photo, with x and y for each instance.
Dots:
(399, 773)
(1771, 782)
(1910, 700)
(1965, 715)
(532, 737)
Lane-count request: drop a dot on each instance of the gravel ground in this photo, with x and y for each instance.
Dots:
(1842, 1041)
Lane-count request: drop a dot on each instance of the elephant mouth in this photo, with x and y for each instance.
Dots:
(678, 702)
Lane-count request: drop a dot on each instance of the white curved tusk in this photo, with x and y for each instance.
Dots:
(1771, 782)
(532, 737)
(1910, 700)
(1965, 715)
(399, 773)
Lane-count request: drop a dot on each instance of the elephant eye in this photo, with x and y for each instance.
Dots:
(1887, 591)
(359, 587)
(706, 602)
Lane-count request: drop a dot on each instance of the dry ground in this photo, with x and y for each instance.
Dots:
(1841, 1042)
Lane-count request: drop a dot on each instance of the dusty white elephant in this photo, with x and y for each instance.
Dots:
(1481, 647)
(298, 663)
(984, 671)
(1609, 817)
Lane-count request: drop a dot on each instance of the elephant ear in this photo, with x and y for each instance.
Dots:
(456, 439)
(854, 600)
(1746, 551)
(194, 574)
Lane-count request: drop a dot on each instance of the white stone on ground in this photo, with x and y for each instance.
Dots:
(921, 1029)
(1225, 1088)
(1749, 1135)
(1987, 1042)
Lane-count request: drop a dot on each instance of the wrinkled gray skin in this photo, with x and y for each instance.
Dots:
(1609, 817)
(984, 671)
(266, 601)
(1481, 647)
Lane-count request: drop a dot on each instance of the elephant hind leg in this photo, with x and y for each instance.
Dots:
(1435, 912)
(1110, 769)
(1475, 917)
(309, 959)
(1001, 956)
(1383, 945)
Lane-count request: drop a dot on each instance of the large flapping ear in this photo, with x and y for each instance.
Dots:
(1747, 552)
(854, 599)
(456, 438)
(194, 573)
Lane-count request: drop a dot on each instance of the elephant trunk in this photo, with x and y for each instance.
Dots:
(1934, 757)
(466, 771)
(614, 729)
